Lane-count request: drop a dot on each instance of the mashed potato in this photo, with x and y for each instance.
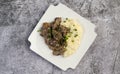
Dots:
(74, 36)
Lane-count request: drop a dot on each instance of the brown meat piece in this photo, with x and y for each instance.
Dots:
(54, 35)
(56, 23)
(44, 29)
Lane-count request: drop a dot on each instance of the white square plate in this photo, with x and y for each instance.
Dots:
(38, 44)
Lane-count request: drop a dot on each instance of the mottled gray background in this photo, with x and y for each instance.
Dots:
(19, 17)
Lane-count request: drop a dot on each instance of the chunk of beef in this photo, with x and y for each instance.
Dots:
(45, 29)
(56, 23)
(55, 36)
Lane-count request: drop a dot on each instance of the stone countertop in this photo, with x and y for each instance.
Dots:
(19, 17)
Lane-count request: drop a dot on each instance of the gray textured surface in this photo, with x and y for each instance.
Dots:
(19, 17)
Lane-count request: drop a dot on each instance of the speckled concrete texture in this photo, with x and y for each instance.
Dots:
(19, 17)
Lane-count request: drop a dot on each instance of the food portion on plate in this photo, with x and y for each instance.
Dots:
(62, 35)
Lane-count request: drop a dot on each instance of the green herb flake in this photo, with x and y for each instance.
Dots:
(69, 36)
(75, 35)
(72, 40)
(65, 38)
(64, 21)
(38, 30)
(66, 18)
(75, 29)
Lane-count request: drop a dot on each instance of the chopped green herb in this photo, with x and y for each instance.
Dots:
(75, 29)
(73, 25)
(38, 30)
(64, 21)
(65, 38)
(72, 40)
(75, 35)
(69, 36)
(66, 18)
